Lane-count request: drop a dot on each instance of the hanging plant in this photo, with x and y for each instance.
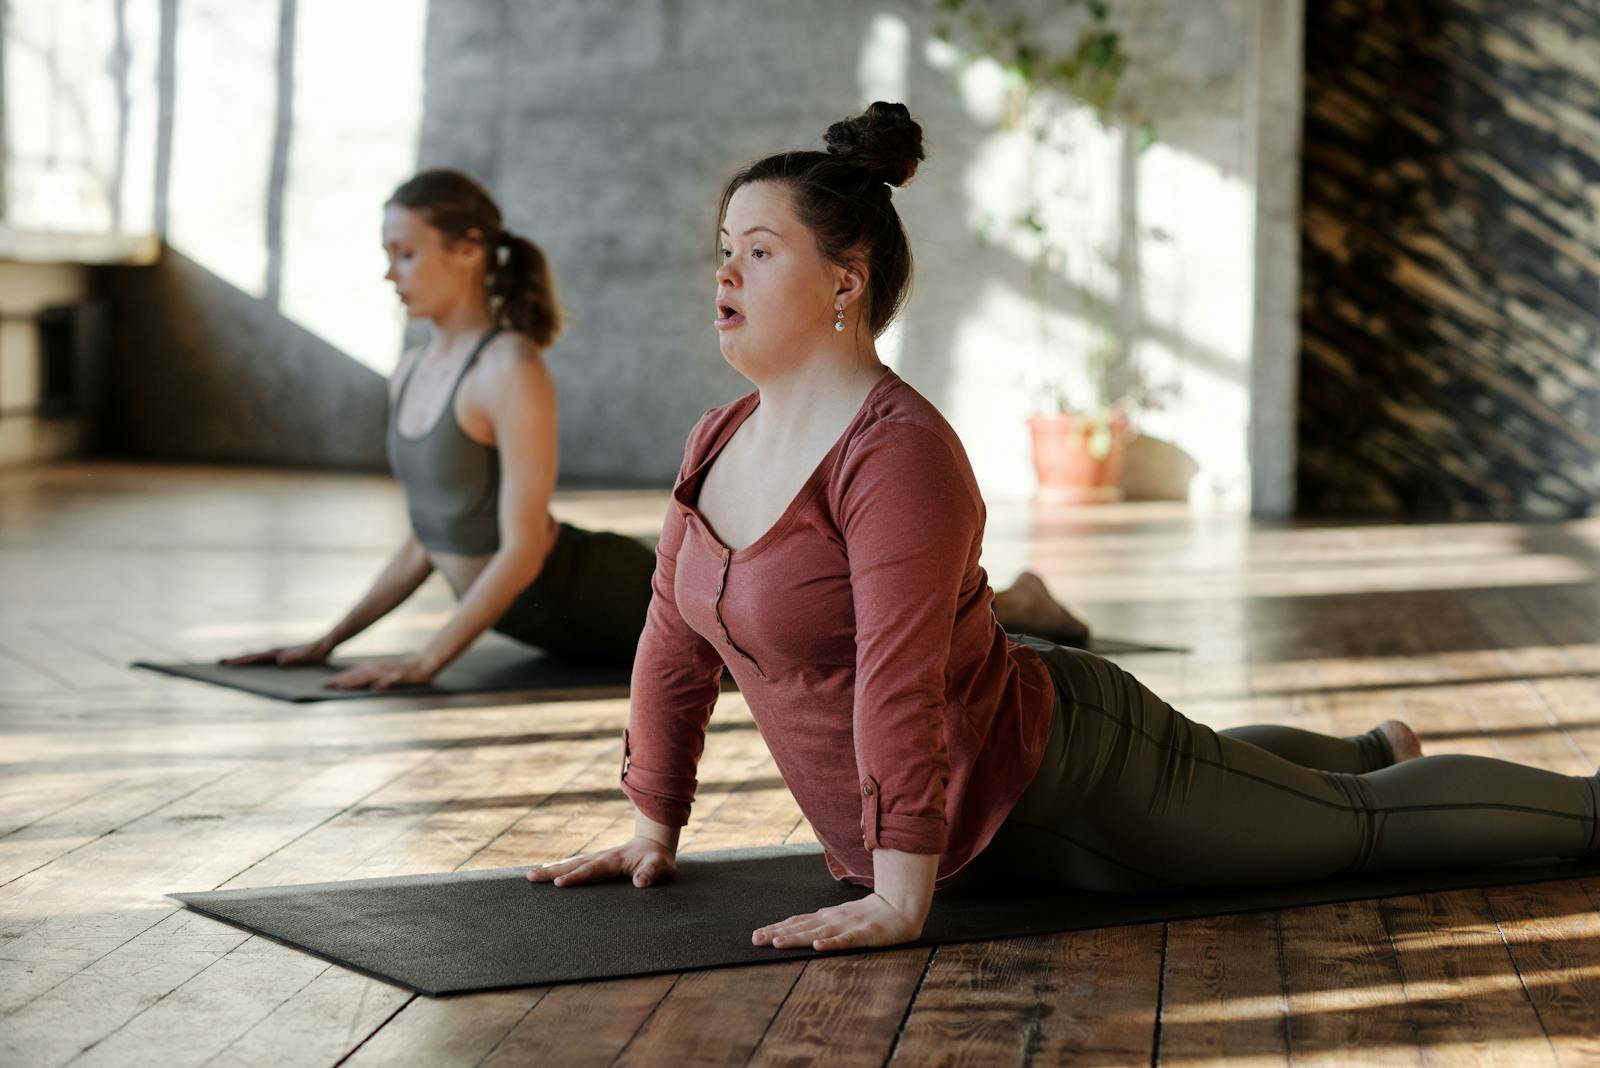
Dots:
(1017, 35)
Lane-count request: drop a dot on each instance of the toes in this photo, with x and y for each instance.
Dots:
(1403, 741)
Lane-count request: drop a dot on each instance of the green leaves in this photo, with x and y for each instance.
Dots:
(1089, 71)
(1100, 437)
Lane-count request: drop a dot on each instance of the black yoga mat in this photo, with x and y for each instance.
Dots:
(450, 933)
(1113, 647)
(485, 668)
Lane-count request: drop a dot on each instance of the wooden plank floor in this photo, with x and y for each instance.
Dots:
(116, 787)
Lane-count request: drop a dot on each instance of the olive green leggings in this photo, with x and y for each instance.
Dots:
(1132, 796)
(589, 602)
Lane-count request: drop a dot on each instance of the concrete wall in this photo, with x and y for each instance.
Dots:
(607, 131)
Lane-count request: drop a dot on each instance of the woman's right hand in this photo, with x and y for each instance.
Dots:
(643, 859)
(285, 655)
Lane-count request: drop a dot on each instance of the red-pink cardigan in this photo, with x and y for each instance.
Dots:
(860, 631)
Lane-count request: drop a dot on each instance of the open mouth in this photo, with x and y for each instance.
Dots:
(728, 316)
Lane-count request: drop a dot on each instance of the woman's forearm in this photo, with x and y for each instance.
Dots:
(905, 881)
(407, 569)
(510, 571)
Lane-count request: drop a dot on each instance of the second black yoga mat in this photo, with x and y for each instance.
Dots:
(443, 934)
(485, 668)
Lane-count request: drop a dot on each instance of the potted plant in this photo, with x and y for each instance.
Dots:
(1054, 65)
(1077, 449)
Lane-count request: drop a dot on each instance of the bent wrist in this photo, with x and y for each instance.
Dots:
(659, 833)
(905, 881)
(428, 664)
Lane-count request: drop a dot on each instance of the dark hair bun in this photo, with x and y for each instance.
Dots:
(884, 139)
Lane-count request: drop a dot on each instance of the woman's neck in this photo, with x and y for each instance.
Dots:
(817, 389)
(461, 324)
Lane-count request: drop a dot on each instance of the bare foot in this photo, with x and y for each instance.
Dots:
(1028, 608)
(1403, 741)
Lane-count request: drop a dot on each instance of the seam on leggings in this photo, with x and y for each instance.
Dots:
(1344, 806)
(1103, 856)
(1485, 804)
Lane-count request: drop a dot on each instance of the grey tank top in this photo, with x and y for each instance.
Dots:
(452, 482)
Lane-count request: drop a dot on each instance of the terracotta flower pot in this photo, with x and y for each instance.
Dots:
(1066, 464)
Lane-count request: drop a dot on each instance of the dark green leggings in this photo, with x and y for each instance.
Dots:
(589, 602)
(1132, 796)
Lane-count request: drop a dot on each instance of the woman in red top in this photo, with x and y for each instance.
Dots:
(913, 732)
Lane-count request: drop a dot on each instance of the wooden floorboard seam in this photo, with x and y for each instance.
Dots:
(1516, 969)
(530, 810)
(1284, 1014)
(1161, 993)
(916, 992)
(489, 1053)
(765, 1031)
(645, 1022)
(422, 763)
(53, 813)
(241, 1036)
(353, 1050)
(118, 827)
(1400, 976)
(31, 666)
(123, 1025)
(56, 632)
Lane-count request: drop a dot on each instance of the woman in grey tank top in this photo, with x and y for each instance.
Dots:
(472, 437)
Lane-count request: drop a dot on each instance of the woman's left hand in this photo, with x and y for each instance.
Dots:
(871, 921)
(380, 675)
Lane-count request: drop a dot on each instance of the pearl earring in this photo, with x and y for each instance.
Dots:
(838, 319)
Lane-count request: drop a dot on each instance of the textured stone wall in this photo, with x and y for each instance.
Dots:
(1451, 258)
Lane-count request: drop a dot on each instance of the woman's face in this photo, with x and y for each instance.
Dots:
(429, 273)
(775, 292)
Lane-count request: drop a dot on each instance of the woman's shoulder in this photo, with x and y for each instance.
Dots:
(511, 363)
(896, 412)
(902, 439)
(510, 349)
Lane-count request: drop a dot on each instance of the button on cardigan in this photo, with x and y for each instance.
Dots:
(860, 631)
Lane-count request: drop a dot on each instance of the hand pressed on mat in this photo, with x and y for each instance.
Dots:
(871, 921)
(650, 856)
(893, 913)
(285, 655)
(381, 675)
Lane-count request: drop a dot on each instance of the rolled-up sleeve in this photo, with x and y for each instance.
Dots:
(677, 675)
(911, 519)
